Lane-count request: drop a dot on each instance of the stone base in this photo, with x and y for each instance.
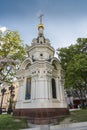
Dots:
(41, 115)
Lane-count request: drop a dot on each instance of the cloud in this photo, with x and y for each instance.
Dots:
(3, 29)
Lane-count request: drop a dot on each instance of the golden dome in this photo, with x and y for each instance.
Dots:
(40, 26)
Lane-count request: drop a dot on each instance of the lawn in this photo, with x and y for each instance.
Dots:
(79, 116)
(8, 122)
(75, 116)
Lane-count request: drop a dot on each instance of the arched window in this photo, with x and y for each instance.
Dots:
(53, 88)
(28, 89)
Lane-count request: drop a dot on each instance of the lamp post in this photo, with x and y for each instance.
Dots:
(3, 90)
(11, 89)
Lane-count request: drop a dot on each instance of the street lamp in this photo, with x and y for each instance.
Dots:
(11, 89)
(3, 90)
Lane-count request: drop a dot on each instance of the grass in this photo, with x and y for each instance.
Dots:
(79, 116)
(75, 116)
(8, 122)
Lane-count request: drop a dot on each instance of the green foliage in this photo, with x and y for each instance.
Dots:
(74, 62)
(12, 45)
(12, 52)
(77, 71)
(8, 122)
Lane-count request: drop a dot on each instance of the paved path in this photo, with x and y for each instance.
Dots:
(72, 126)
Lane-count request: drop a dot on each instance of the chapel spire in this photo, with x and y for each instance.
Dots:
(40, 26)
(40, 17)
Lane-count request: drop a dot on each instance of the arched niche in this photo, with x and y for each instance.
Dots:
(55, 63)
(26, 63)
(27, 66)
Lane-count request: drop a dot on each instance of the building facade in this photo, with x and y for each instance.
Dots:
(6, 97)
(41, 82)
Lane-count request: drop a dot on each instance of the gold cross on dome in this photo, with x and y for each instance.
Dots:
(40, 17)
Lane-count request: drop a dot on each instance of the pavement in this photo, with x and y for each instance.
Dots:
(70, 126)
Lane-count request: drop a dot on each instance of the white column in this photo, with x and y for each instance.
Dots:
(49, 89)
(23, 90)
(62, 84)
(33, 89)
(19, 98)
(36, 88)
(20, 90)
(57, 89)
(46, 88)
(42, 89)
(61, 91)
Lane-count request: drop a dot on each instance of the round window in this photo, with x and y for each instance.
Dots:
(41, 54)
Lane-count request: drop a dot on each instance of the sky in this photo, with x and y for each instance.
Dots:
(64, 20)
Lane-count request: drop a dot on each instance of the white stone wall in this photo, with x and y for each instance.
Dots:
(46, 50)
(41, 88)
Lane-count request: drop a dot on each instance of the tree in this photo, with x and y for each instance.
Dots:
(12, 53)
(74, 62)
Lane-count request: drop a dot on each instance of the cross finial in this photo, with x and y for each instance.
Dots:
(40, 17)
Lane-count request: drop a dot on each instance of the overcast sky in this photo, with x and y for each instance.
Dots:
(64, 20)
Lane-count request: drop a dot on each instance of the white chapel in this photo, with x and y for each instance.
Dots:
(41, 82)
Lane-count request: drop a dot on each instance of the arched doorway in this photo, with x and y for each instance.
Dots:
(54, 88)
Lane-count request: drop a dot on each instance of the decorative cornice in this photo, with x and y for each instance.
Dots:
(41, 46)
